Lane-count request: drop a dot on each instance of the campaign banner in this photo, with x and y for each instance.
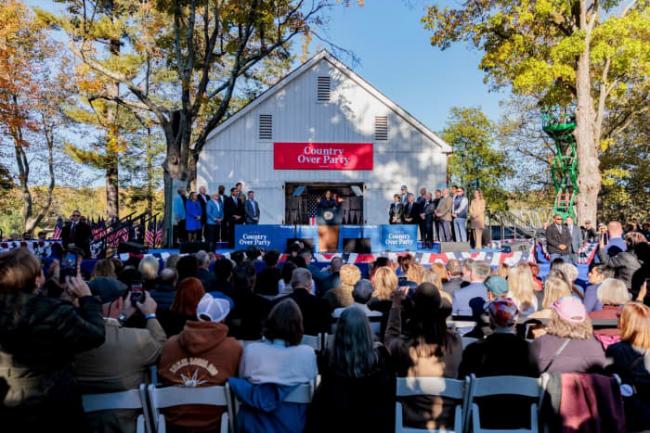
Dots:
(263, 236)
(322, 156)
(399, 237)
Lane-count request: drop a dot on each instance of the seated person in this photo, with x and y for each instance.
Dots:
(426, 348)
(631, 361)
(358, 388)
(597, 275)
(469, 300)
(342, 296)
(501, 353)
(569, 345)
(270, 370)
(201, 355)
(188, 294)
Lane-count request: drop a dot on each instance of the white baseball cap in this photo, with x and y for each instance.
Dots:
(211, 309)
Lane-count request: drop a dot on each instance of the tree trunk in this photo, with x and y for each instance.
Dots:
(112, 187)
(589, 180)
(32, 223)
(23, 176)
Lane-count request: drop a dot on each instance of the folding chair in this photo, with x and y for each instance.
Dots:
(315, 341)
(171, 396)
(135, 399)
(503, 385)
(432, 386)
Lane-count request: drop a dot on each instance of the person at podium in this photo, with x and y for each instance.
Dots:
(328, 201)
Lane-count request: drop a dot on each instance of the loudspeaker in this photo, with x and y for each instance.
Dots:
(131, 247)
(454, 247)
(194, 247)
(356, 245)
(307, 242)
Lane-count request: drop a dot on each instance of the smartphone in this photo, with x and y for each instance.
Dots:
(68, 266)
(137, 293)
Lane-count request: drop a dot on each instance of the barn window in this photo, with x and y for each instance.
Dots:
(381, 128)
(265, 127)
(324, 89)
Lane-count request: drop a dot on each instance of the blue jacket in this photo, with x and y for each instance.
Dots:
(193, 213)
(469, 300)
(263, 409)
(214, 211)
(178, 208)
(591, 299)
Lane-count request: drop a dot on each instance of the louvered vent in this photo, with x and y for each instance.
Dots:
(381, 128)
(266, 127)
(323, 91)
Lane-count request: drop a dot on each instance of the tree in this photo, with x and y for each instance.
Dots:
(211, 50)
(476, 162)
(562, 51)
(31, 91)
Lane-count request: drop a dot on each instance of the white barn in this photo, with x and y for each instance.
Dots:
(323, 127)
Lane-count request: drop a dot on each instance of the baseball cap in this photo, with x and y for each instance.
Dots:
(570, 308)
(497, 285)
(211, 309)
(503, 312)
(107, 289)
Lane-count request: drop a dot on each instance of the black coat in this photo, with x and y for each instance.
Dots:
(395, 213)
(39, 337)
(554, 238)
(233, 207)
(411, 213)
(80, 236)
(315, 311)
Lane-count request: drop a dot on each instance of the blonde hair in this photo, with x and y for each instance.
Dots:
(502, 270)
(521, 286)
(569, 270)
(635, 325)
(148, 268)
(431, 276)
(441, 270)
(349, 275)
(612, 292)
(385, 283)
(554, 289)
(104, 268)
(565, 329)
(415, 273)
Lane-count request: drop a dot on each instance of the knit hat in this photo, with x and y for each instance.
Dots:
(211, 309)
(497, 285)
(503, 312)
(570, 308)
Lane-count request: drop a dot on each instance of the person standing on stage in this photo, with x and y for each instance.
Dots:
(558, 239)
(204, 198)
(222, 232)
(429, 212)
(231, 215)
(443, 212)
(396, 211)
(77, 233)
(405, 194)
(459, 214)
(436, 199)
(576, 239)
(421, 202)
(477, 218)
(193, 217)
(410, 211)
(214, 210)
(252, 209)
(178, 211)
(327, 201)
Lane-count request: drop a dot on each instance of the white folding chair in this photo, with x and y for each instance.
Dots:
(503, 385)
(134, 399)
(432, 386)
(171, 396)
(315, 341)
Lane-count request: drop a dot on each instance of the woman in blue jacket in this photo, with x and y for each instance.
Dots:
(193, 213)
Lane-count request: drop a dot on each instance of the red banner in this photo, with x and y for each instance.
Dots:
(322, 156)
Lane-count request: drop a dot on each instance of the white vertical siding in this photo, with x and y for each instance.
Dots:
(235, 153)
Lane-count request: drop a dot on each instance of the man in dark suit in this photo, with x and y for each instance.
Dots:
(232, 215)
(411, 210)
(77, 233)
(223, 235)
(422, 202)
(558, 240)
(576, 239)
(315, 311)
(429, 213)
(252, 209)
(396, 210)
(203, 200)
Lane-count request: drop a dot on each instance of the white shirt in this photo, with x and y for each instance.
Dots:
(273, 362)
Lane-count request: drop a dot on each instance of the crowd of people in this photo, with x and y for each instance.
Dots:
(200, 216)
(442, 216)
(194, 316)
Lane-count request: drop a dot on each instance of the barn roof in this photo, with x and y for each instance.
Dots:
(327, 56)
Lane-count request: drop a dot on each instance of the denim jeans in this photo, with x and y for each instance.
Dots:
(460, 229)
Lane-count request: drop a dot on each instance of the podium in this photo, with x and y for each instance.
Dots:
(329, 222)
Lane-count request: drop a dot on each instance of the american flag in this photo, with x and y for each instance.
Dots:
(158, 241)
(99, 228)
(58, 229)
(114, 239)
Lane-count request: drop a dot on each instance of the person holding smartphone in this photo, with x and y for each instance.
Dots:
(40, 336)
